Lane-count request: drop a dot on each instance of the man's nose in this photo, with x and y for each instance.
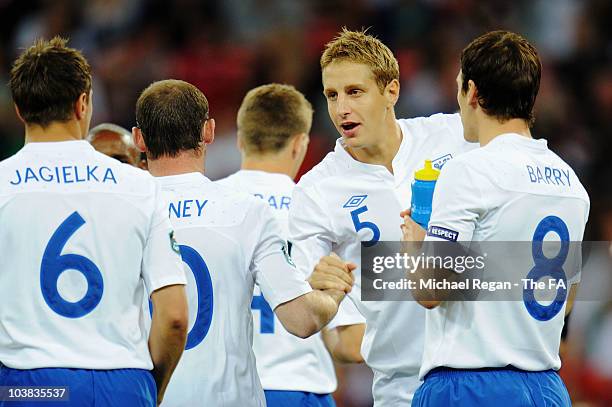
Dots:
(343, 106)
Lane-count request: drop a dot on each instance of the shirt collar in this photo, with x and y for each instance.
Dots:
(189, 177)
(515, 138)
(267, 175)
(61, 146)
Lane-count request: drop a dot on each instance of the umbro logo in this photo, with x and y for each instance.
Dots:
(355, 201)
(439, 162)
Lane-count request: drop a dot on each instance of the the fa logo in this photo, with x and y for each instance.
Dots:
(439, 162)
(355, 201)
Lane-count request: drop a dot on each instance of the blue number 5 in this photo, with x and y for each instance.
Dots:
(54, 263)
(545, 266)
(205, 296)
(365, 225)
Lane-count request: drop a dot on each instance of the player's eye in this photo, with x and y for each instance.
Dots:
(331, 95)
(355, 92)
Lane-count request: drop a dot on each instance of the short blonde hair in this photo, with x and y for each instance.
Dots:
(360, 47)
(270, 115)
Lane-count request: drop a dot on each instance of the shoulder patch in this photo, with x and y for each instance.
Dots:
(173, 243)
(288, 258)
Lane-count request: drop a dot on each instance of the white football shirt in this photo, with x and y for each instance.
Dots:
(510, 190)
(229, 241)
(284, 361)
(342, 202)
(80, 233)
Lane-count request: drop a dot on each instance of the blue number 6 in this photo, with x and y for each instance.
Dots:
(205, 296)
(54, 264)
(365, 225)
(547, 267)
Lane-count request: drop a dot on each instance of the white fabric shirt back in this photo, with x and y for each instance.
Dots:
(342, 202)
(502, 192)
(80, 233)
(229, 241)
(284, 361)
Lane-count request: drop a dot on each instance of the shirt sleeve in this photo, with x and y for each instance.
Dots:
(161, 263)
(272, 266)
(310, 230)
(347, 315)
(311, 236)
(457, 204)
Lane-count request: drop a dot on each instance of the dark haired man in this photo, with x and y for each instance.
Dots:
(229, 240)
(82, 237)
(511, 189)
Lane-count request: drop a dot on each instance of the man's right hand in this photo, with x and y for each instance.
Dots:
(333, 273)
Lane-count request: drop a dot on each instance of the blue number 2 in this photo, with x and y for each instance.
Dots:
(365, 225)
(545, 266)
(266, 324)
(54, 263)
(205, 296)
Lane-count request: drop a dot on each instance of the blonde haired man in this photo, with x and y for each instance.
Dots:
(355, 194)
(274, 119)
(273, 125)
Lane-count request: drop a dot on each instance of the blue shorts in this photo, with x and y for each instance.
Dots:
(284, 398)
(95, 388)
(504, 387)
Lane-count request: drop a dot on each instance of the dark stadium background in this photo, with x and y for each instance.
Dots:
(226, 47)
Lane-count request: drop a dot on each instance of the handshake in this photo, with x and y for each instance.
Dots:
(334, 276)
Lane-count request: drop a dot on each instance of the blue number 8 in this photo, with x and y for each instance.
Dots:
(547, 267)
(54, 264)
(205, 296)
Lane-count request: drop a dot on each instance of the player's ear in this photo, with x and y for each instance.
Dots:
(239, 143)
(299, 144)
(208, 131)
(19, 114)
(392, 91)
(472, 94)
(80, 106)
(138, 139)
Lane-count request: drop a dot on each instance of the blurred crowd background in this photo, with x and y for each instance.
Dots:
(227, 47)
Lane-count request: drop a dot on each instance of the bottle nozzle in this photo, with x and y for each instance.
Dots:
(428, 173)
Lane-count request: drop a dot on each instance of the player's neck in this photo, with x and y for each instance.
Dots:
(184, 163)
(490, 128)
(271, 164)
(384, 152)
(55, 131)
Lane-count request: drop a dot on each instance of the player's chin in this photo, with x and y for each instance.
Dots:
(353, 141)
